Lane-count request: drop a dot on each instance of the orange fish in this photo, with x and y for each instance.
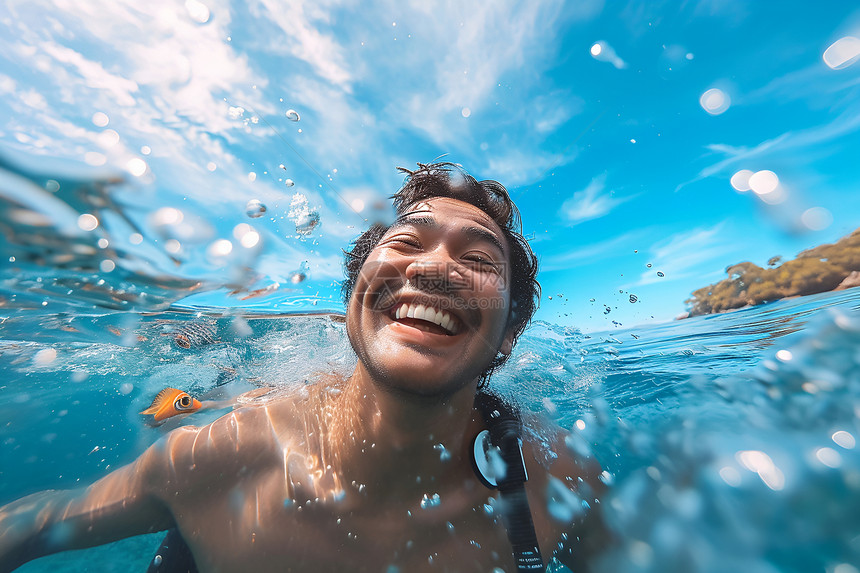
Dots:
(172, 402)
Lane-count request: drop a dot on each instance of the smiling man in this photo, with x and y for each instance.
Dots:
(394, 468)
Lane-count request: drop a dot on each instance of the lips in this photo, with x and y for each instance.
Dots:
(427, 318)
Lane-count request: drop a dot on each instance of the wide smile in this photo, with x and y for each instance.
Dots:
(426, 318)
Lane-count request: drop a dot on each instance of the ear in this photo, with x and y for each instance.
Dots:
(507, 342)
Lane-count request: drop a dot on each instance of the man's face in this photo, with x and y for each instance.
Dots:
(430, 307)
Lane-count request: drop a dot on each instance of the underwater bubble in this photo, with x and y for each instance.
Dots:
(306, 223)
(293, 115)
(103, 243)
(606, 310)
(125, 388)
(88, 222)
(252, 176)
(633, 298)
(465, 112)
(172, 246)
(660, 274)
(157, 560)
(715, 101)
(289, 182)
(648, 265)
(44, 357)
(80, 375)
(235, 112)
(429, 501)
(254, 208)
(135, 238)
(240, 327)
(357, 205)
(842, 53)
(211, 166)
(146, 150)
(107, 265)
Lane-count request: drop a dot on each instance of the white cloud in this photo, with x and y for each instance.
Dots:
(592, 202)
(574, 258)
(683, 255)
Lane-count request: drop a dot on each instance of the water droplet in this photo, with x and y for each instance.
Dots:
(136, 166)
(715, 101)
(289, 182)
(429, 501)
(306, 223)
(842, 53)
(255, 208)
(198, 11)
(648, 265)
(293, 115)
(88, 222)
(45, 357)
(633, 298)
(100, 119)
(660, 274)
(444, 454)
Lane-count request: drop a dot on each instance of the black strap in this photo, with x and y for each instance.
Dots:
(505, 433)
(173, 556)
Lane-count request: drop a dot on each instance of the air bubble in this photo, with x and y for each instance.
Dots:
(293, 115)
(289, 183)
(429, 501)
(660, 274)
(633, 298)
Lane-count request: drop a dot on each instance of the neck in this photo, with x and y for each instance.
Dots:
(399, 444)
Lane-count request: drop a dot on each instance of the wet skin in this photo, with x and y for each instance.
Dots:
(333, 476)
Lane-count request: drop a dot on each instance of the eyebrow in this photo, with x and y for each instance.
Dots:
(472, 232)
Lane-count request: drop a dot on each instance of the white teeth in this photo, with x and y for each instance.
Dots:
(445, 321)
(401, 312)
(421, 312)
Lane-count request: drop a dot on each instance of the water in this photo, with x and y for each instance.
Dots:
(729, 440)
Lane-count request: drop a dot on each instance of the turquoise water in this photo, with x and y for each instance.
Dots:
(729, 440)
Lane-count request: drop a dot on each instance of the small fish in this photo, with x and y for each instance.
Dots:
(172, 402)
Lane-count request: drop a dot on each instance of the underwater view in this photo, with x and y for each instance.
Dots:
(181, 182)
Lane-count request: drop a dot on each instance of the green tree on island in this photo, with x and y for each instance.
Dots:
(820, 269)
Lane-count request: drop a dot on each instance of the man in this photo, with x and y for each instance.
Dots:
(371, 473)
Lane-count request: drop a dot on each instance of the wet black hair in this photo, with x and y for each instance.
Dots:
(452, 181)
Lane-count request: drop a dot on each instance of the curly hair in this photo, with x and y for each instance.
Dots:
(451, 181)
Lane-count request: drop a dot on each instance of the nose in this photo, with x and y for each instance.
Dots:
(435, 271)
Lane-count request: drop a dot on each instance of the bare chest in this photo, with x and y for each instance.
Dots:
(254, 528)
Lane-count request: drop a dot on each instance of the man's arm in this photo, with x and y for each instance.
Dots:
(121, 504)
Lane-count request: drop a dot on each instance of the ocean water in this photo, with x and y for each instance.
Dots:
(729, 441)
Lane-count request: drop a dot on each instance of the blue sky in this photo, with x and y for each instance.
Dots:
(617, 127)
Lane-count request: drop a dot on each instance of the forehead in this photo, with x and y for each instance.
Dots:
(451, 211)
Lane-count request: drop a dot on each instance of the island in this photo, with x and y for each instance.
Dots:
(820, 269)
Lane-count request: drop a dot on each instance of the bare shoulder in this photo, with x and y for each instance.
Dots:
(566, 478)
(249, 438)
